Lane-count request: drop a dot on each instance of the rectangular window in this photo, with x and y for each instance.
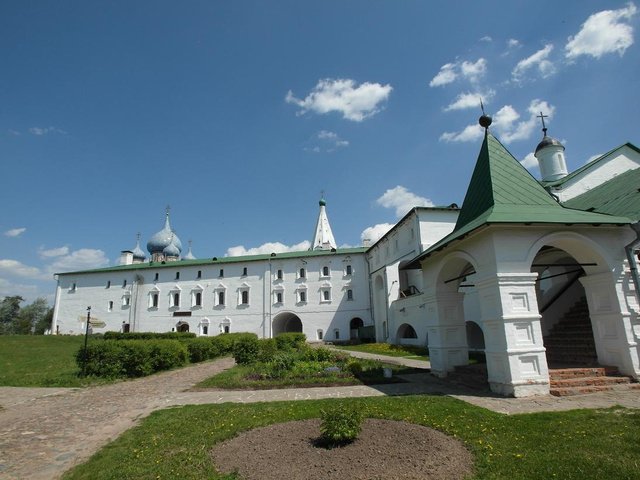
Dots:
(110, 307)
(124, 283)
(176, 300)
(221, 273)
(221, 297)
(156, 277)
(325, 271)
(177, 275)
(244, 272)
(205, 330)
(303, 296)
(279, 297)
(326, 295)
(303, 274)
(279, 274)
(349, 270)
(199, 276)
(126, 300)
(198, 299)
(349, 294)
(245, 297)
(154, 300)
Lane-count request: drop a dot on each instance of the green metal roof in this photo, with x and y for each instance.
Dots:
(502, 191)
(618, 196)
(223, 260)
(588, 165)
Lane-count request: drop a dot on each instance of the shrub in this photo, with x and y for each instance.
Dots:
(148, 335)
(167, 354)
(290, 341)
(320, 354)
(102, 359)
(268, 348)
(281, 364)
(135, 358)
(246, 350)
(354, 366)
(225, 341)
(340, 424)
(201, 349)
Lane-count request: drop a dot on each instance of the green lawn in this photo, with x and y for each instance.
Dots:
(580, 444)
(41, 361)
(407, 351)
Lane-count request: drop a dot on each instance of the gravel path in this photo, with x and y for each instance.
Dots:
(43, 436)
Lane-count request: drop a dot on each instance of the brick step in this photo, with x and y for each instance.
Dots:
(565, 392)
(572, 360)
(588, 382)
(579, 372)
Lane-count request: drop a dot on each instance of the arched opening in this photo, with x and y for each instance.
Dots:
(182, 327)
(286, 322)
(406, 332)
(566, 325)
(354, 325)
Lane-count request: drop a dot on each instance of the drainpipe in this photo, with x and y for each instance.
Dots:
(633, 265)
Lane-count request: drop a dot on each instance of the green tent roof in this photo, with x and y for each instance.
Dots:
(502, 191)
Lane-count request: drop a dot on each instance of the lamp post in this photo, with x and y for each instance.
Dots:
(86, 337)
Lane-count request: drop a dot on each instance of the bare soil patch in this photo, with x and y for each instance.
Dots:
(385, 449)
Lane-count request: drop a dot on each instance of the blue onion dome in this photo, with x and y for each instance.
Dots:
(322, 202)
(162, 239)
(171, 250)
(138, 254)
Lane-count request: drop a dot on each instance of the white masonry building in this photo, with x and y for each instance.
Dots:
(532, 274)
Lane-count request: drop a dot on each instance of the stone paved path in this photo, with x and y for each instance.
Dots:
(44, 432)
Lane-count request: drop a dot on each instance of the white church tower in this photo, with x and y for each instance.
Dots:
(550, 155)
(323, 237)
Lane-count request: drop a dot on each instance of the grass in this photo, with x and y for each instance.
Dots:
(407, 351)
(41, 361)
(579, 444)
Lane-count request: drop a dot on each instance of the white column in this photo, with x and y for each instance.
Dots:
(516, 361)
(447, 332)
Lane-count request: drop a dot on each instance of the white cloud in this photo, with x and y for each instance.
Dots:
(445, 76)
(592, 157)
(53, 252)
(39, 131)
(402, 200)
(375, 233)
(266, 248)
(28, 292)
(82, 259)
(530, 162)
(470, 100)
(356, 103)
(13, 132)
(473, 71)
(15, 232)
(603, 32)
(538, 61)
(513, 43)
(468, 134)
(487, 39)
(19, 269)
(510, 129)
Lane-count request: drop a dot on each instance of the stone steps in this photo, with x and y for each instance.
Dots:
(570, 341)
(577, 381)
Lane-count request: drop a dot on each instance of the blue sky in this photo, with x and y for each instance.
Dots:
(238, 114)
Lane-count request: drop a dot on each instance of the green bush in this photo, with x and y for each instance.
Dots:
(320, 354)
(122, 358)
(201, 349)
(268, 349)
(148, 335)
(225, 341)
(167, 354)
(341, 424)
(290, 341)
(136, 358)
(102, 359)
(246, 350)
(281, 364)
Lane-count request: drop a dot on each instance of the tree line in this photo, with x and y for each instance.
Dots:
(32, 319)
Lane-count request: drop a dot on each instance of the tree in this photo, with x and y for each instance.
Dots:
(9, 309)
(30, 316)
(44, 323)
